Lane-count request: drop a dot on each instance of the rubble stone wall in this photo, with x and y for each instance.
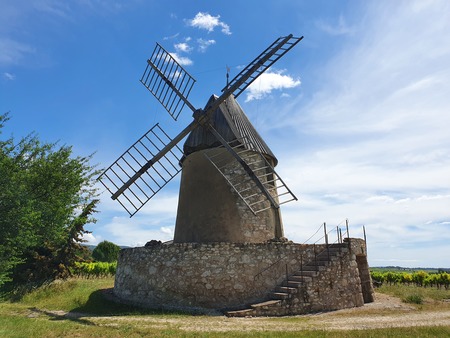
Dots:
(217, 276)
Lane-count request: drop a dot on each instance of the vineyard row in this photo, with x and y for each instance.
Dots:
(419, 278)
(94, 269)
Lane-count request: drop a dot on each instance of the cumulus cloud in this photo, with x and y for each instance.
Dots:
(182, 60)
(204, 44)
(267, 82)
(155, 220)
(91, 239)
(136, 231)
(182, 47)
(208, 22)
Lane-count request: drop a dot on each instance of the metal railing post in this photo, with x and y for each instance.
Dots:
(348, 234)
(365, 238)
(326, 239)
(301, 264)
(315, 257)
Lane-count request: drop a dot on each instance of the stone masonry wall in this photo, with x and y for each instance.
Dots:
(336, 285)
(210, 211)
(191, 276)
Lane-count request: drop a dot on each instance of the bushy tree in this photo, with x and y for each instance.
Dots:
(106, 252)
(46, 198)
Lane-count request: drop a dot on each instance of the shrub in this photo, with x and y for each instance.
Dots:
(106, 252)
(414, 299)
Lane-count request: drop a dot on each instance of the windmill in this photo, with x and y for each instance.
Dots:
(229, 189)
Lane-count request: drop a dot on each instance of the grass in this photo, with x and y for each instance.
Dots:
(78, 308)
(428, 298)
(413, 299)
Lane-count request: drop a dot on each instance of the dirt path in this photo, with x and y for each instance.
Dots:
(385, 312)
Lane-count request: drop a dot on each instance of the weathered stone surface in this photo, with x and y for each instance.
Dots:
(209, 210)
(193, 276)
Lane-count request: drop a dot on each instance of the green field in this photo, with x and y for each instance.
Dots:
(77, 307)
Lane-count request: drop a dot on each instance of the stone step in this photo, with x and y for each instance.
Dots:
(333, 253)
(286, 289)
(310, 271)
(279, 295)
(338, 245)
(311, 268)
(295, 284)
(273, 302)
(324, 255)
(300, 278)
(313, 264)
(240, 313)
(321, 261)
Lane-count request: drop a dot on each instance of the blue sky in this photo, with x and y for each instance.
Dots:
(357, 114)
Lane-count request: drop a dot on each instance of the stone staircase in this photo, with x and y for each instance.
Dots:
(293, 295)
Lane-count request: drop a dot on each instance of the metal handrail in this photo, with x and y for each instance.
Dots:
(339, 240)
(267, 268)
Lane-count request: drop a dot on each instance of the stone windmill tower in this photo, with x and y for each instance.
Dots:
(218, 202)
(229, 189)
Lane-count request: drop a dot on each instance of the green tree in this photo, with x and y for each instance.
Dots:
(106, 252)
(46, 198)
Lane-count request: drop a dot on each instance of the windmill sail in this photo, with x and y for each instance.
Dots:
(170, 83)
(148, 182)
(140, 172)
(260, 64)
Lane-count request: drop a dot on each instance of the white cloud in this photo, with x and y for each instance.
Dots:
(155, 220)
(182, 47)
(91, 239)
(372, 144)
(13, 51)
(171, 37)
(204, 44)
(136, 232)
(267, 82)
(55, 8)
(208, 22)
(182, 60)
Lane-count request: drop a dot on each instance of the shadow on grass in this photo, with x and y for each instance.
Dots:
(60, 315)
(104, 303)
(100, 303)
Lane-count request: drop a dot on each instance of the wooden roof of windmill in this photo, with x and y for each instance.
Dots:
(233, 125)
